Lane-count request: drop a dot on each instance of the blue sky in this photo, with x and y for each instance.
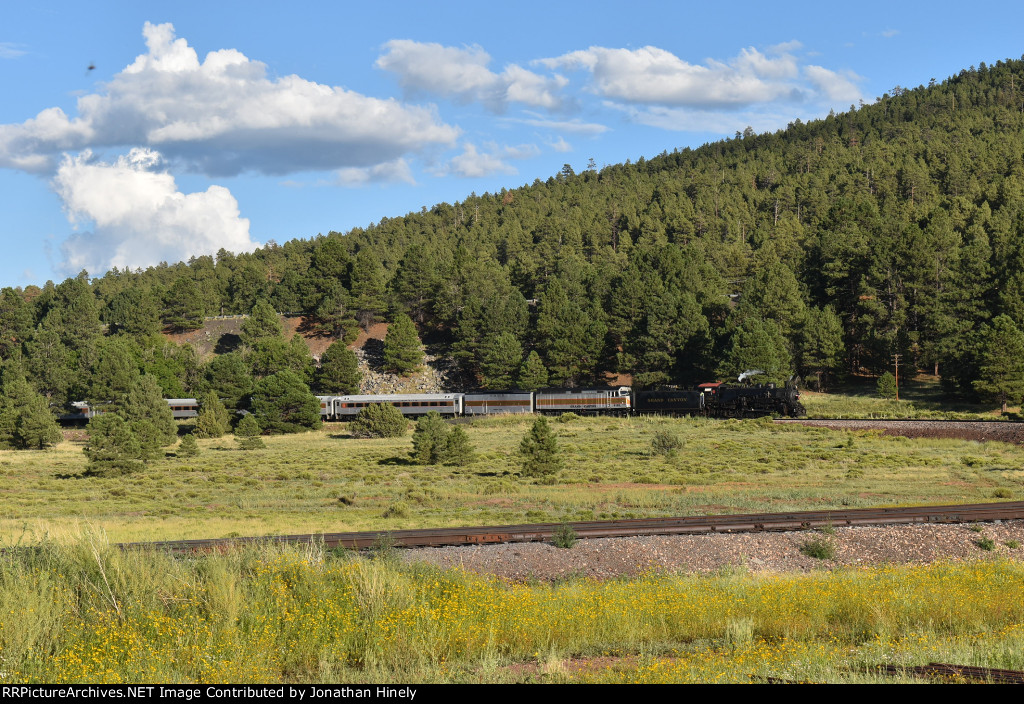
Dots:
(133, 133)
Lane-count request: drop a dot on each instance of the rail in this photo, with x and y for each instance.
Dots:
(685, 525)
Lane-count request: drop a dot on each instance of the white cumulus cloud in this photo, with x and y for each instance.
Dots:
(138, 217)
(463, 75)
(223, 116)
(654, 77)
(473, 163)
(397, 171)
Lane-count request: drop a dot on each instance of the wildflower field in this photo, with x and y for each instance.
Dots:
(90, 613)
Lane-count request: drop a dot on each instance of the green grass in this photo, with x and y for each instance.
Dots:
(327, 481)
(920, 397)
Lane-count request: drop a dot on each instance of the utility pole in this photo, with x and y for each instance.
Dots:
(896, 362)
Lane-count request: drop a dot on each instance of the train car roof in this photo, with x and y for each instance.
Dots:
(502, 392)
(383, 398)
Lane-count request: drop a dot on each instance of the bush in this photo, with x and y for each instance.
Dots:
(886, 386)
(986, 544)
(819, 548)
(380, 420)
(564, 536)
(665, 443)
(434, 442)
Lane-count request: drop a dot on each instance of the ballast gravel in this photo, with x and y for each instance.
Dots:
(775, 552)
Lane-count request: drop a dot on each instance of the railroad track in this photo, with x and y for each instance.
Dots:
(956, 673)
(685, 525)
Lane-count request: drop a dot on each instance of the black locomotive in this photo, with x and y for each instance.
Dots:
(722, 401)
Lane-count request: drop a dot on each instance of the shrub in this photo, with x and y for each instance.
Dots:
(986, 543)
(665, 443)
(819, 548)
(568, 417)
(887, 386)
(398, 509)
(1002, 493)
(564, 536)
(379, 420)
(1012, 544)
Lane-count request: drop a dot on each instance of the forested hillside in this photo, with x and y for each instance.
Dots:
(822, 249)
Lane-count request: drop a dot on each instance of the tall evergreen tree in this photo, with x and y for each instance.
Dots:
(213, 420)
(283, 403)
(402, 351)
(339, 371)
(149, 417)
(532, 374)
(539, 451)
(502, 356)
(1001, 363)
(263, 323)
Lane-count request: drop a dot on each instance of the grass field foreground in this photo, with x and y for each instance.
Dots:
(90, 613)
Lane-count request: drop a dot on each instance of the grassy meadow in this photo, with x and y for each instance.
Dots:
(328, 481)
(89, 613)
(75, 609)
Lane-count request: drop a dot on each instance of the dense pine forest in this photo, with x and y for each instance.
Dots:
(820, 250)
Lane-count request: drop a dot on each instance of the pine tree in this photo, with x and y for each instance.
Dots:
(533, 375)
(402, 351)
(458, 451)
(228, 376)
(282, 403)
(263, 323)
(821, 343)
(886, 386)
(213, 420)
(540, 451)
(1001, 362)
(113, 449)
(339, 371)
(502, 355)
(26, 422)
(758, 344)
(183, 306)
(149, 417)
(368, 287)
(429, 439)
(247, 434)
(188, 447)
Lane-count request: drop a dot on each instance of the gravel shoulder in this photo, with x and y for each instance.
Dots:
(607, 558)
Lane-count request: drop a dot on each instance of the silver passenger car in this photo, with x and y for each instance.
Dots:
(347, 407)
(493, 402)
